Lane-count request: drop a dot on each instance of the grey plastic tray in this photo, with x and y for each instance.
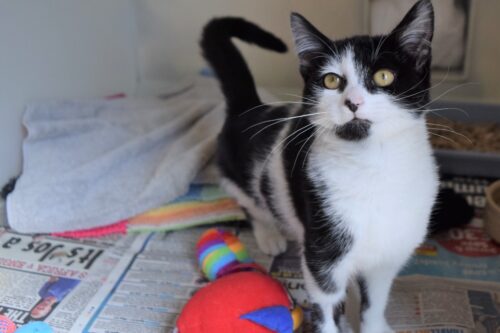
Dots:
(462, 162)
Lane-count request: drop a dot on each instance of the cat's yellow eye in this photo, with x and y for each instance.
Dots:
(332, 81)
(383, 77)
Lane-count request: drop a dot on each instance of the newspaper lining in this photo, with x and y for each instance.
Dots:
(139, 283)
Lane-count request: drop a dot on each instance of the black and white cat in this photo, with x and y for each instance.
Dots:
(349, 173)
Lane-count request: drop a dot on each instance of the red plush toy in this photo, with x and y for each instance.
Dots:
(241, 298)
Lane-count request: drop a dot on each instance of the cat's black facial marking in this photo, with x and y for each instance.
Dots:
(405, 51)
(410, 86)
(354, 130)
(238, 153)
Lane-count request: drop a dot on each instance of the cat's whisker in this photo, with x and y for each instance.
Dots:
(302, 97)
(300, 130)
(444, 109)
(453, 132)
(438, 125)
(382, 41)
(282, 119)
(448, 91)
(335, 54)
(321, 55)
(424, 90)
(435, 112)
(310, 147)
(379, 46)
(280, 146)
(276, 121)
(256, 107)
(306, 128)
(444, 137)
(302, 147)
(273, 103)
(261, 130)
(412, 87)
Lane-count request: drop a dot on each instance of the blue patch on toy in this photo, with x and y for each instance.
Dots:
(274, 318)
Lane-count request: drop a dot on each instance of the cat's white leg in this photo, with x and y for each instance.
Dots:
(269, 238)
(375, 286)
(265, 228)
(327, 292)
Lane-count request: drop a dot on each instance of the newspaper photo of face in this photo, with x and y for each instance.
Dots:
(51, 293)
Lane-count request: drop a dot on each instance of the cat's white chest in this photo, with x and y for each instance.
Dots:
(382, 196)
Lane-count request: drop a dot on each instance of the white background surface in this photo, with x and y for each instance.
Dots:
(57, 49)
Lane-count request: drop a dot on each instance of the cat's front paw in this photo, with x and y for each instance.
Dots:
(270, 241)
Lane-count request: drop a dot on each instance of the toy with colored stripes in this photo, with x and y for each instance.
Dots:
(241, 296)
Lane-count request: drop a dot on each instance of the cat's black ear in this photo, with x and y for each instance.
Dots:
(414, 33)
(309, 42)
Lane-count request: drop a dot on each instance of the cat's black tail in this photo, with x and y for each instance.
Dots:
(237, 82)
(451, 210)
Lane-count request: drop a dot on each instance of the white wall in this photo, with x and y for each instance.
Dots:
(169, 31)
(56, 49)
(485, 57)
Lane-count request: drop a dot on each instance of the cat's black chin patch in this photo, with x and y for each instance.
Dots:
(354, 130)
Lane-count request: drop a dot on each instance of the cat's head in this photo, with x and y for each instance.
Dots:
(365, 85)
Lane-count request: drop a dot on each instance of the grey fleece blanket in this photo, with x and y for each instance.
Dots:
(91, 163)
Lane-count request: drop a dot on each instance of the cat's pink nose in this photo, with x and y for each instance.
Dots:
(353, 105)
(354, 100)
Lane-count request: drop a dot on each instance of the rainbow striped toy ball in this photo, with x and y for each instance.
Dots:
(220, 253)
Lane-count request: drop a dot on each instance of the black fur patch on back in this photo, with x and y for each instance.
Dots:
(244, 140)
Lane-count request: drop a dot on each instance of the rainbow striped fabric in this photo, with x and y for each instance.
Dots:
(203, 204)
